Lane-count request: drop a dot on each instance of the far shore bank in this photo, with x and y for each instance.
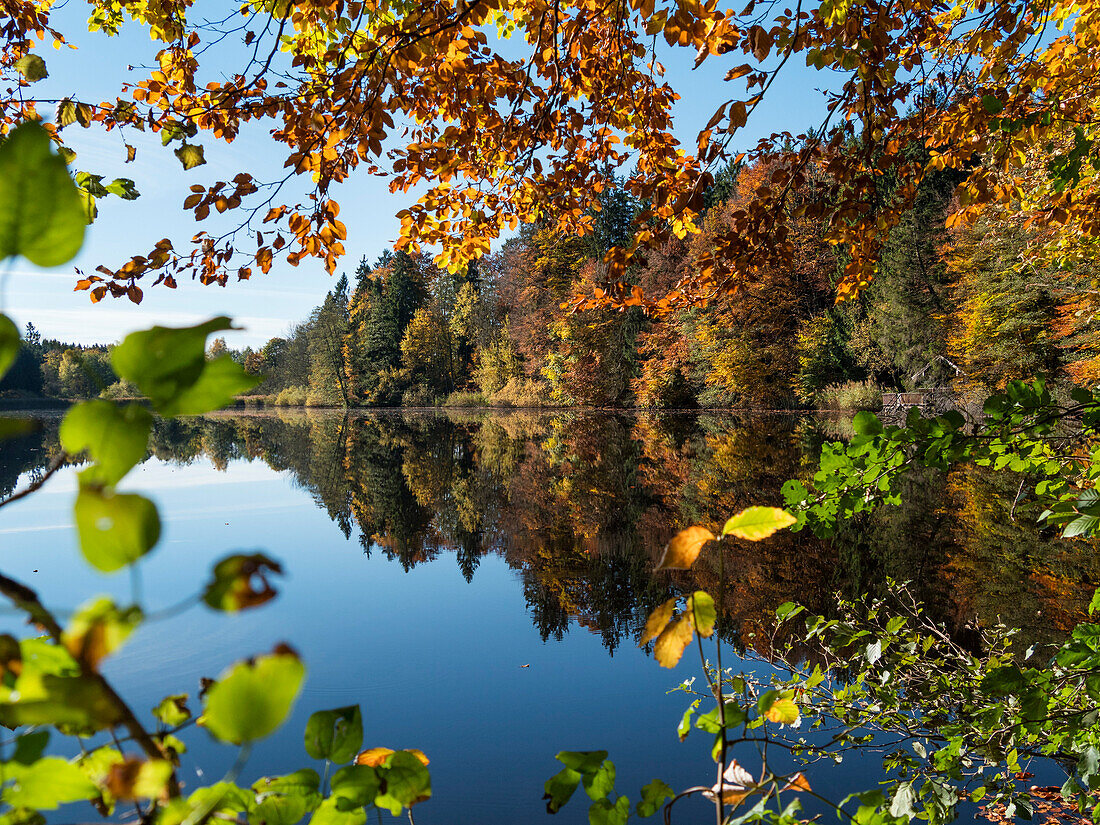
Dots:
(250, 405)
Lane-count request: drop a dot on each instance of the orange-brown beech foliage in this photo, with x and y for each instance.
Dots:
(495, 134)
(539, 270)
(743, 351)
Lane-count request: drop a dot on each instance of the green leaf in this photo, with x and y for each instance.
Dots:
(1094, 605)
(1082, 526)
(359, 784)
(992, 105)
(252, 699)
(190, 155)
(329, 813)
(222, 381)
(114, 437)
(559, 788)
(653, 797)
(240, 582)
(115, 529)
(684, 727)
(583, 761)
(1005, 680)
(705, 614)
(124, 188)
(283, 800)
(603, 812)
(32, 67)
(711, 721)
(601, 782)
(220, 798)
(46, 784)
(405, 782)
(70, 701)
(9, 341)
(786, 610)
(29, 747)
(873, 652)
(173, 710)
(305, 783)
(41, 214)
(169, 366)
(866, 423)
(98, 629)
(756, 523)
(276, 809)
(902, 803)
(336, 735)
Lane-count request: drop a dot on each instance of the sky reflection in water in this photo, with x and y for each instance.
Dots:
(555, 520)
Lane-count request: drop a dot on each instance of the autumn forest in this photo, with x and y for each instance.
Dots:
(701, 419)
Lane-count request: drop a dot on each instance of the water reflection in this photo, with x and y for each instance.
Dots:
(580, 505)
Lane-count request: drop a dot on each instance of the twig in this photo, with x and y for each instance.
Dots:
(27, 600)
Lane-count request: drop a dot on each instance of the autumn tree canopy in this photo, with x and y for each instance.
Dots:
(506, 111)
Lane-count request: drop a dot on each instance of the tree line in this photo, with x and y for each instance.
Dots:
(963, 306)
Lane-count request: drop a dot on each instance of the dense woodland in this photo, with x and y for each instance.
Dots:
(405, 332)
(964, 307)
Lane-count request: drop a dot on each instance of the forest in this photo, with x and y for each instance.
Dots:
(885, 618)
(963, 309)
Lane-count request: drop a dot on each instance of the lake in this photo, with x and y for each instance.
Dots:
(476, 580)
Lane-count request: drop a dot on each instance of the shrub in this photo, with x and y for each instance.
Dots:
(418, 395)
(120, 389)
(851, 395)
(521, 392)
(461, 398)
(291, 397)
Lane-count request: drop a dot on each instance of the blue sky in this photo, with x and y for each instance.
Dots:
(267, 305)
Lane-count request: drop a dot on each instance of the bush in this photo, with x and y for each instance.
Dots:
(119, 390)
(851, 395)
(418, 396)
(520, 392)
(466, 399)
(291, 397)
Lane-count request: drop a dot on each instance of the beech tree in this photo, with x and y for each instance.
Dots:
(496, 134)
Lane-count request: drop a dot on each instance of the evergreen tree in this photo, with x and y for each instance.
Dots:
(329, 327)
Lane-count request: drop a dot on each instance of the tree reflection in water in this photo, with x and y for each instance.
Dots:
(580, 504)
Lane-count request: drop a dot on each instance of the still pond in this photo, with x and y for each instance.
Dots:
(476, 581)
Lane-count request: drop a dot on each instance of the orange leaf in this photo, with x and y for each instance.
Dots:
(673, 640)
(684, 548)
(657, 621)
(376, 757)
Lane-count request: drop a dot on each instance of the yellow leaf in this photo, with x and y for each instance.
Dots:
(375, 757)
(684, 549)
(784, 711)
(657, 621)
(756, 523)
(673, 640)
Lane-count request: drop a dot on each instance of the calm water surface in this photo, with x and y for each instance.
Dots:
(476, 581)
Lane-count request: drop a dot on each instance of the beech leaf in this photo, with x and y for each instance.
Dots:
(673, 640)
(684, 548)
(657, 621)
(756, 523)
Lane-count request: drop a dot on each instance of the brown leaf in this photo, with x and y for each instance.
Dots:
(684, 548)
(673, 640)
(657, 621)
